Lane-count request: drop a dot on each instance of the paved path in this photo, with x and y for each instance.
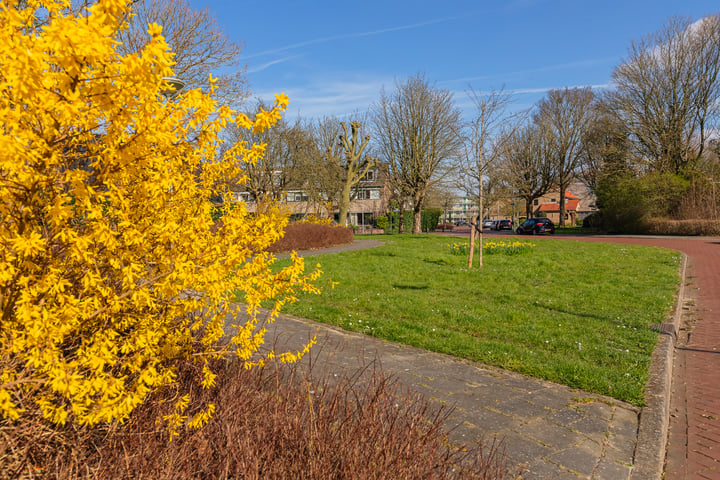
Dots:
(552, 431)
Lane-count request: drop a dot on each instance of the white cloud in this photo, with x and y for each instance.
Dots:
(262, 67)
(351, 35)
(340, 98)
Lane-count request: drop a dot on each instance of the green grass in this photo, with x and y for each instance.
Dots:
(570, 312)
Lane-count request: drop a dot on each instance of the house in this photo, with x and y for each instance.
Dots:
(548, 206)
(586, 204)
(370, 198)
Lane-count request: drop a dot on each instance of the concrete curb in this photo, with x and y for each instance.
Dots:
(655, 417)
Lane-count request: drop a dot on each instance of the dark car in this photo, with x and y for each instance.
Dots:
(503, 225)
(536, 226)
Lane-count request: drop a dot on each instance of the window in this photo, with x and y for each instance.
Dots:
(553, 200)
(369, 176)
(297, 197)
(536, 202)
(368, 194)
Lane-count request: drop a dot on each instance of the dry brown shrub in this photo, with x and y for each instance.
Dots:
(311, 236)
(696, 227)
(275, 423)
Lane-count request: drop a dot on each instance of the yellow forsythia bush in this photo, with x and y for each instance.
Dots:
(109, 268)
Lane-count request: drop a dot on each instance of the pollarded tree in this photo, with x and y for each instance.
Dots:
(322, 165)
(111, 269)
(354, 165)
(416, 129)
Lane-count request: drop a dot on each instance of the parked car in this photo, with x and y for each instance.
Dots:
(536, 226)
(504, 225)
(487, 223)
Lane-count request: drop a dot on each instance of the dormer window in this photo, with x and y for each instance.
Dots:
(369, 176)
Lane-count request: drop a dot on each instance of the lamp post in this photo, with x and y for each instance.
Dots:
(174, 85)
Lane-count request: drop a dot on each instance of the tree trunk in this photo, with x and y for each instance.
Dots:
(417, 220)
(344, 205)
(472, 243)
(561, 223)
(417, 213)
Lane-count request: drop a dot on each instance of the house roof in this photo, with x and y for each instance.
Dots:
(570, 205)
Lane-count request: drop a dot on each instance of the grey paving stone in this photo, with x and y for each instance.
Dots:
(566, 416)
(624, 423)
(598, 409)
(524, 408)
(552, 435)
(607, 470)
(544, 470)
(494, 422)
(593, 427)
(576, 460)
(525, 450)
(622, 455)
(554, 399)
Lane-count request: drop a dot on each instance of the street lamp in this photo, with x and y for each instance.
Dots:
(174, 85)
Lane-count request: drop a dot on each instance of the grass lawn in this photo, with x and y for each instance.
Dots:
(571, 312)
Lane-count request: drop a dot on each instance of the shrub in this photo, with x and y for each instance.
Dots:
(382, 222)
(271, 423)
(311, 236)
(110, 269)
(662, 226)
(429, 218)
(625, 201)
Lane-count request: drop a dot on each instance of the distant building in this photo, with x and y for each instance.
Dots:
(579, 203)
(370, 198)
(463, 210)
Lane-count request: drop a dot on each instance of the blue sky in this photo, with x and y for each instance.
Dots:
(333, 57)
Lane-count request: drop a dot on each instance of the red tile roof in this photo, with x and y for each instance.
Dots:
(571, 196)
(570, 205)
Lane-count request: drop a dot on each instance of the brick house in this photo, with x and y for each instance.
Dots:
(369, 199)
(548, 206)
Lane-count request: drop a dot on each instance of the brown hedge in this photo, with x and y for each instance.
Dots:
(697, 227)
(311, 236)
(269, 424)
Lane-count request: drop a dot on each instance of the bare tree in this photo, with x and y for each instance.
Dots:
(526, 164)
(667, 92)
(339, 163)
(482, 140)
(200, 46)
(481, 143)
(606, 144)
(354, 165)
(417, 131)
(279, 169)
(565, 115)
(322, 167)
